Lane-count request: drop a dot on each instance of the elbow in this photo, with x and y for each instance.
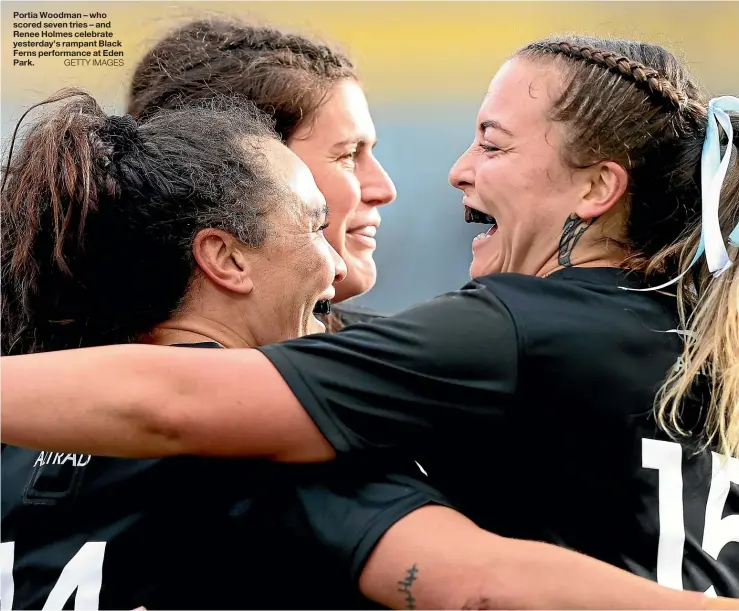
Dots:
(482, 602)
(156, 425)
(490, 592)
(506, 579)
(482, 591)
(161, 435)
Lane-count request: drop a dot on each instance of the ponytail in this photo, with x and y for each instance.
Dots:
(48, 192)
(99, 215)
(709, 311)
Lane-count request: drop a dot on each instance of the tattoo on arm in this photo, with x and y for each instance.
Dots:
(406, 585)
(572, 231)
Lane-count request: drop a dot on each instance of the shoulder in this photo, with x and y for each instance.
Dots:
(351, 313)
(346, 314)
(582, 297)
(582, 328)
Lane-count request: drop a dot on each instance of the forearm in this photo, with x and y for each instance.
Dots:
(533, 575)
(147, 401)
(94, 401)
(435, 558)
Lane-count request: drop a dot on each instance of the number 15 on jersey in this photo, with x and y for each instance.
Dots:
(667, 458)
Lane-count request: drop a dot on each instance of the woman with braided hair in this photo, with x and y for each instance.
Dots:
(581, 390)
(119, 233)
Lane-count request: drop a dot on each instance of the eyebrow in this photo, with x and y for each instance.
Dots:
(492, 123)
(319, 213)
(356, 141)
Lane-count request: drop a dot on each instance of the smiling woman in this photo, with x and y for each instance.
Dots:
(235, 223)
(515, 133)
(319, 108)
(529, 395)
(203, 260)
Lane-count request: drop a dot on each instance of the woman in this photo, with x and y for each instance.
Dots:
(221, 228)
(320, 112)
(201, 229)
(603, 136)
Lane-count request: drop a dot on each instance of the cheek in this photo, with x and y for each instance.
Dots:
(343, 195)
(502, 183)
(319, 266)
(515, 185)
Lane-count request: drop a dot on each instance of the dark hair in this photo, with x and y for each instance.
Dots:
(286, 75)
(99, 215)
(635, 103)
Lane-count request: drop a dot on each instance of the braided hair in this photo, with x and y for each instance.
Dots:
(635, 104)
(662, 91)
(289, 76)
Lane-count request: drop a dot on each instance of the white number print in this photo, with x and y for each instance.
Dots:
(83, 573)
(667, 457)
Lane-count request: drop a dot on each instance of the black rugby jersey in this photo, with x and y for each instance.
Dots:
(194, 533)
(529, 403)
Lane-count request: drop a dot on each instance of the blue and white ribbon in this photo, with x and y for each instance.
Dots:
(713, 174)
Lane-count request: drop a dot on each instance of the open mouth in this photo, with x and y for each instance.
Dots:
(475, 216)
(323, 307)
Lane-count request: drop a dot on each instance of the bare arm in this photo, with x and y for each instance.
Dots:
(142, 401)
(435, 558)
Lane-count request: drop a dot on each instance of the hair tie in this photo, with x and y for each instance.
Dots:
(713, 173)
(121, 132)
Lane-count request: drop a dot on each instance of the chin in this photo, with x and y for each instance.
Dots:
(359, 280)
(314, 326)
(479, 269)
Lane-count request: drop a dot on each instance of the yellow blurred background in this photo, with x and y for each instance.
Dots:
(425, 65)
(407, 50)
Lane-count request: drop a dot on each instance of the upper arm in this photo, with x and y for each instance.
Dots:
(443, 366)
(434, 558)
(235, 403)
(148, 401)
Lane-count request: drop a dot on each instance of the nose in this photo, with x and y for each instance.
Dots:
(462, 174)
(377, 187)
(339, 265)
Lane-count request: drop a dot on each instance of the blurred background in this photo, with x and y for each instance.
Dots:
(426, 67)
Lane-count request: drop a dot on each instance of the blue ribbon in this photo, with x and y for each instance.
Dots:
(713, 174)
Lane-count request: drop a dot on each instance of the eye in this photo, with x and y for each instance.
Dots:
(350, 158)
(323, 227)
(488, 148)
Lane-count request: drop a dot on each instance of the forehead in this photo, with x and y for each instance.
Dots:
(520, 95)
(298, 178)
(344, 116)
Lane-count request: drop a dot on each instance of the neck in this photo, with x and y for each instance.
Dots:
(584, 244)
(192, 328)
(554, 265)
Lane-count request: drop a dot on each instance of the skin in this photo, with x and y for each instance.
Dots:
(337, 145)
(244, 297)
(146, 401)
(514, 171)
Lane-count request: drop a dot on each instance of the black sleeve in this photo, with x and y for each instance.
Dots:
(435, 369)
(352, 315)
(348, 515)
(318, 525)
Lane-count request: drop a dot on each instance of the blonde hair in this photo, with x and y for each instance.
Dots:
(636, 104)
(709, 313)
